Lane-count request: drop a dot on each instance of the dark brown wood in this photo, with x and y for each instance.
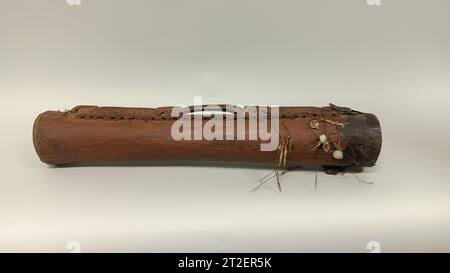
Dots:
(91, 133)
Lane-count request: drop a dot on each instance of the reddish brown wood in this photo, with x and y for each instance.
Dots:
(91, 133)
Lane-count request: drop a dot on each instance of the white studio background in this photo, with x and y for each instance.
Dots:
(391, 59)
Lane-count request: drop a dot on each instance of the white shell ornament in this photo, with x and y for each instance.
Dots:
(338, 154)
(323, 138)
